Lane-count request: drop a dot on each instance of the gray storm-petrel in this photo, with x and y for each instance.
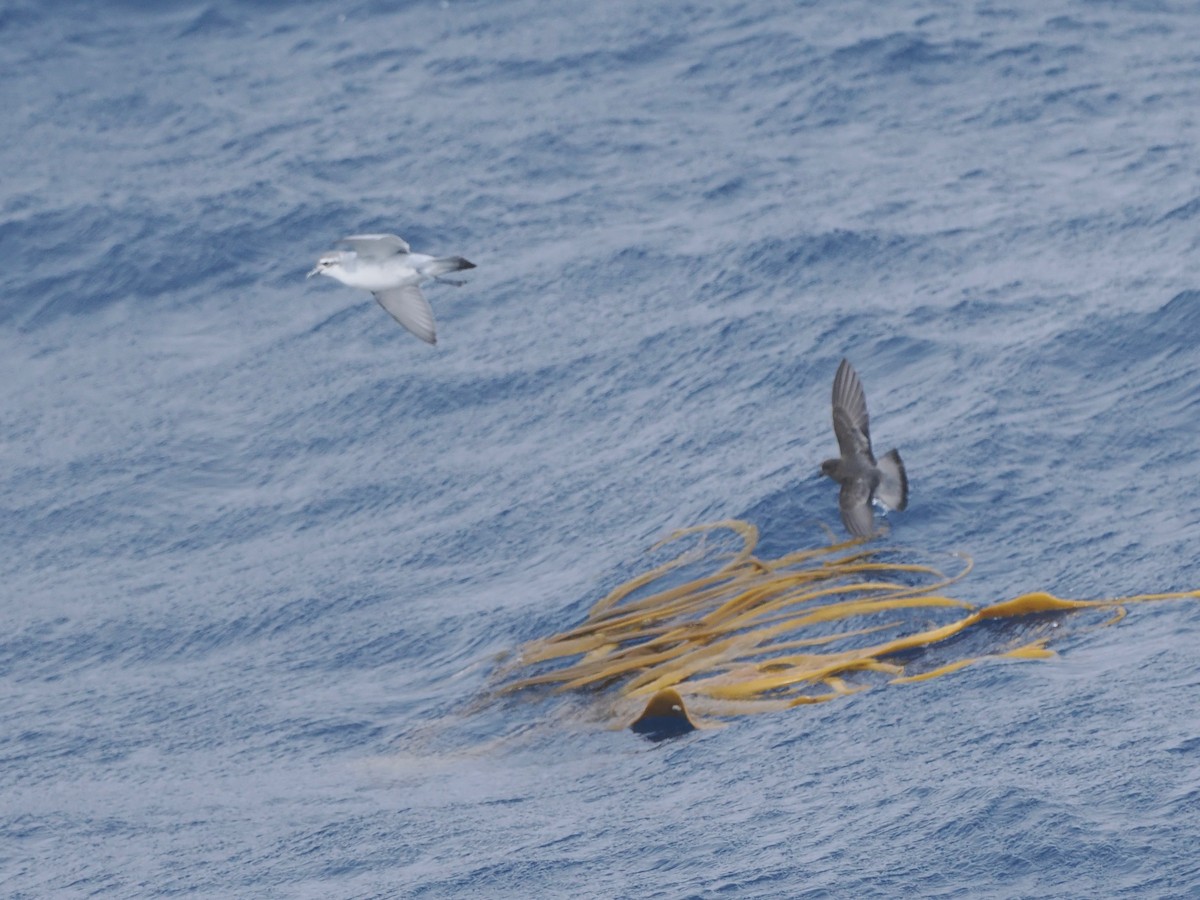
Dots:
(862, 478)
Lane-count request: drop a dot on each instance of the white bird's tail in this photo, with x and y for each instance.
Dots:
(892, 490)
(444, 264)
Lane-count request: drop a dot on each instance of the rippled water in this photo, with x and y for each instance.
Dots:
(261, 550)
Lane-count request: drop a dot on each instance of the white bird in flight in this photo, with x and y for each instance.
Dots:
(384, 265)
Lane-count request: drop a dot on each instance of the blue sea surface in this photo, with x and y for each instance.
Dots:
(262, 552)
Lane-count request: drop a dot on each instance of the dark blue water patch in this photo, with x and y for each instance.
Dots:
(1076, 103)
(719, 73)
(29, 827)
(893, 353)
(50, 240)
(1071, 23)
(796, 516)
(535, 864)
(1083, 100)
(494, 542)
(786, 257)
(1118, 341)
(1023, 60)
(212, 21)
(551, 155)
(345, 169)
(390, 645)
(331, 735)
(40, 751)
(469, 71)
(17, 17)
(132, 111)
(38, 654)
(727, 189)
(97, 256)
(856, 335)
(278, 618)
(389, 61)
(801, 374)
(143, 9)
(1185, 212)
(122, 517)
(333, 850)
(1174, 324)
(912, 55)
(351, 501)
(829, 103)
(1188, 747)
(372, 408)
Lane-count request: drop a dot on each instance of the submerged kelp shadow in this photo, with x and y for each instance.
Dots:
(730, 633)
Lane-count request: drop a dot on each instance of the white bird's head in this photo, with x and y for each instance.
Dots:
(328, 264)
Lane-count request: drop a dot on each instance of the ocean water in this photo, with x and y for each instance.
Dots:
(262, 552)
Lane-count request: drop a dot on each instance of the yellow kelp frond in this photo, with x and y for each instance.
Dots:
(734, 633)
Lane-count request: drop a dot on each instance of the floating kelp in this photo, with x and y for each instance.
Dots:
(748, 634)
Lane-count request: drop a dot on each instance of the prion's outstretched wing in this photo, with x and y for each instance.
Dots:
(375, 246)
(409, 307)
